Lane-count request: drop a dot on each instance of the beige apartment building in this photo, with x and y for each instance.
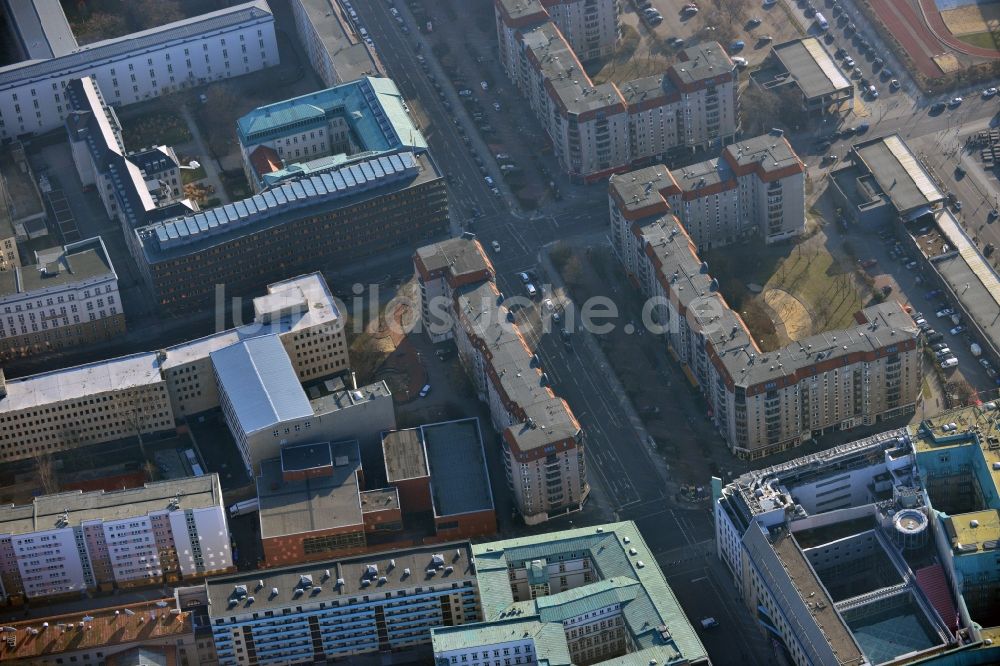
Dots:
(597, 130)
(146, 392)
(543, 444)
(68, 298)
(756, 187)
(761, 402)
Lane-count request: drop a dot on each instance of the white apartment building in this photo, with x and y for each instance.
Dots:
(542, 440)
(339, 609)
(74, 542)
(69, 297)
(145, 392)
(591, 27)
(141, 66)
(761, 402)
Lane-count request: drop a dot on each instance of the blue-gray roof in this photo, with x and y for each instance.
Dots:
(260, 382)
(81, 60)
(41, 26)
(295, 194)
(373, 107)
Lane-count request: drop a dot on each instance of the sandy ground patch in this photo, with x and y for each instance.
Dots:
(973, 19)
(795, 317)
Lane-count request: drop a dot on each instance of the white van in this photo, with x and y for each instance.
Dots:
(822, 22)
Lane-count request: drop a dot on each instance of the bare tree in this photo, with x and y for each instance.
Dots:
(45, 469)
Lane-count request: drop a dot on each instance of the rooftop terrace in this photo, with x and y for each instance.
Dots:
(86, 632)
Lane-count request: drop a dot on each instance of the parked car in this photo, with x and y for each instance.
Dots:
(496, 246)
(947, 312)
(738, 45)
(958, 329)
(531, 290)
(425, 390)
(949, 362)
(955, 101)
(894, 85)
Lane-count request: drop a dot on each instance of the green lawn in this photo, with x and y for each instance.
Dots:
(812, 275)
(986, 40)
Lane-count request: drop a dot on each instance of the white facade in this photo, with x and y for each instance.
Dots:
(164, 531)
(142, 66)
(49, 562)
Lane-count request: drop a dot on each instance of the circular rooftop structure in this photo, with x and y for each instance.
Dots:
(911, 528)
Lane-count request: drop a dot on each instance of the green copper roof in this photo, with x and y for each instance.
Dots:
(656, 623)
(549, 639)
(373, 107)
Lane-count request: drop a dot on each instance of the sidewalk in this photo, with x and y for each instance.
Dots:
(197, 149)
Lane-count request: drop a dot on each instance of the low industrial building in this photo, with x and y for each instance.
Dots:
(441, 468)
(590, 595)
(806, 66)
(878, 551)
(146, 392)
(150, 633)
(882, 181)
(543, 443)
(131, 68)
(161, 533)
(66, 300)
(334, 49)
(316, 501)
(339, 609)
(756, 188)
(313, 505)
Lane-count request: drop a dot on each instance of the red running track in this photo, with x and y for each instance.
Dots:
(922, 41)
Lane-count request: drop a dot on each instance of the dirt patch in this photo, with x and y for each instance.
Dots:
(947, 62)
(792, 314)
(972, 19)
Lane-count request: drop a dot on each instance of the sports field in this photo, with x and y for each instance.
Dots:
(977, 24)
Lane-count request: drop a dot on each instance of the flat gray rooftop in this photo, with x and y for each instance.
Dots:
(970, 277)
(195, 492)
(898, 172)
(332, 395)
(706, 60)
(812, 591)
(459, 480)
(80, 261)
(461, 256)
(351, 58)
(810, 64)
(393, 565)
(772, 151)
(319, 503)
(403, 451)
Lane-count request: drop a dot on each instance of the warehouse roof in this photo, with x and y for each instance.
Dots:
(898, 173)
(261, 384)
(809, 63)
(320, 502)
(460, 482)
